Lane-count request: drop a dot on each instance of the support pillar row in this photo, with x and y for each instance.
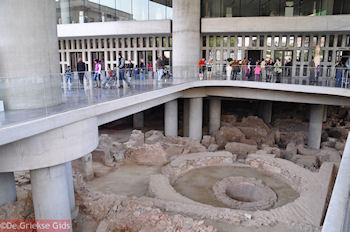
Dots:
(214, 115)
(171, 118)
(196, 118)
(315, 126)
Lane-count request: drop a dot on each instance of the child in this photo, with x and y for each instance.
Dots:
(257, 71)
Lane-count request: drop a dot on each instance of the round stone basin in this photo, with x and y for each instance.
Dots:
(244, 193)
(198, 185)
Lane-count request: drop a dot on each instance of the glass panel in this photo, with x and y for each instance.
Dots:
(347, 42)
(291, 41)
(307, 41)
(331, 41)
(163, 42)
(232, 41)
(330, 56)
(239, 55)
(218, 55)
(225, 55)
(204, 41)
(218, 41)
(298, 55)
(269, 41)
(211, 41)
(170, 41)
(340, 40)
(156, 11)
(323, 41)
(284, 41)
(239, 41)
(140, 9)
(157, 42)
(306, 55)
(124, 10)
(144, 42)
(254, 41)
(246, 41)
(225, 41)
(268, 54)
(299, 41)
(276, 41)
(262, 41)
(151, 42)
(314, 41)
(232, 54)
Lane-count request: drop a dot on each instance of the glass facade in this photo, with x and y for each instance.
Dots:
(247, 8)
(86, 11)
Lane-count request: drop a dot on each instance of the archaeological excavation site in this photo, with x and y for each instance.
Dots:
(252, 172)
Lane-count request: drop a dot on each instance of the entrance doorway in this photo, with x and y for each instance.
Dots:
(286, 58)
(99, 56)
(74, 57)
(254, 55)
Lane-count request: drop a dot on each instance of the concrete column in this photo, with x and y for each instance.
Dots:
(138, 121)
(33, 62)
(74, 210)
(65, 15)
(171, 119)
(196, 118)
(214, 115)
(186, 117)
(315, 126)
(7, 188)
(186, 39)
(325, 114)
(87, 166)
(266, 111)
(50, 193)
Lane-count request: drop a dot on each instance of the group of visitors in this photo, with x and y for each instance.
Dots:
(205, 67)
(125, 71)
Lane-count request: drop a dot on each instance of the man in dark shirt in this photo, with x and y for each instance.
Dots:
(81, 70)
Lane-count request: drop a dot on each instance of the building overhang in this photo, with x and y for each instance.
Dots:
(329, 23)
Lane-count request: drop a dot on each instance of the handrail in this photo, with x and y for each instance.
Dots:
(337, 217)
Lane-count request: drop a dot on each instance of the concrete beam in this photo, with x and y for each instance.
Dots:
(171, 118)
(315, 126)
(114, 28)
(329, 23)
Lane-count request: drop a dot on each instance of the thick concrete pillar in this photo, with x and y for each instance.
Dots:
(214, 115)
(196, 118)
(315, 126)
(186, 119)
(50, 193)
(186, 39)
(266, 111)
(138, 121)
(171, 118)
(31, 66)
(7, 188)
(87, 166)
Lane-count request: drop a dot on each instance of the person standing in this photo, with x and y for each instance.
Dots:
(312, 71)
(81, 70)
(243, 68)
(97, 75)
(339, 74)
(209, 69)
(68, 73)
(201, 66)
(142, 69)
(257, 71)
(160, 67)
(269, 72)
(130, 67)
(121, 67)
(278, 70)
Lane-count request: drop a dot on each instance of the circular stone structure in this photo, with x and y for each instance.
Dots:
(243, 193)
